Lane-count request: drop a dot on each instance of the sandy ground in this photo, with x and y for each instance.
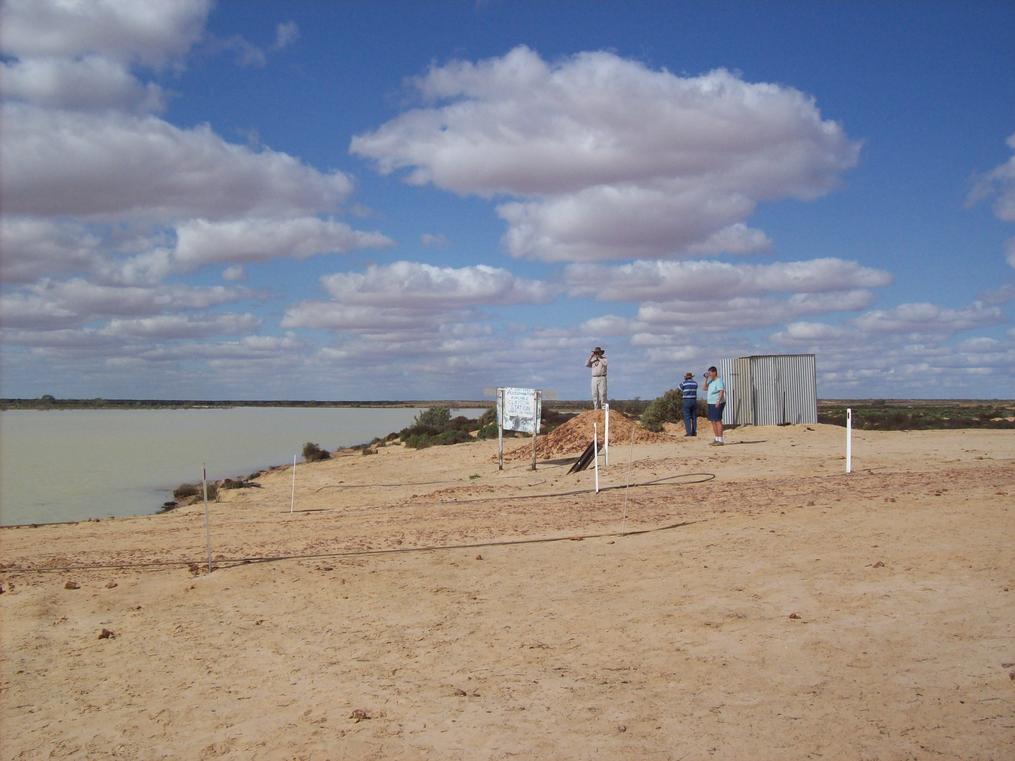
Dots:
(780, 610)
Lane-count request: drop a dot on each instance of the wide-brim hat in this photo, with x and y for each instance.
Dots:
(598, 350)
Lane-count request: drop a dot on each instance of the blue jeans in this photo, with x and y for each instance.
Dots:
(691, 417)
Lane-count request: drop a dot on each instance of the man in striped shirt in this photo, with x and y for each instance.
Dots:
(689, 395)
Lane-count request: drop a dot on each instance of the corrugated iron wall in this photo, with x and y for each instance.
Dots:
(770, 389)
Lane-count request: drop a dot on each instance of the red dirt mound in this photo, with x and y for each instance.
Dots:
(573, 436)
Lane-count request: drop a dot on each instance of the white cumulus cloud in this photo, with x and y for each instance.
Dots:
(708, 280)
(200, 241)
(172, 326)
(609, 158)
(413, 297)
(129, 30)
(999, 183)
(33, 248)
(89, 83)
(424, 285)
(928, 318)
(88, 164)
(77, 301)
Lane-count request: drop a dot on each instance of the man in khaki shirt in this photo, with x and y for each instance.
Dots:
(597, 361)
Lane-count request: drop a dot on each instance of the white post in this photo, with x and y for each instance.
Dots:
(595, 451)
(627, 481)
(849, 440)
(500, 429)
(207, 531)
(292, 502)
(535, 425)
(606, 434)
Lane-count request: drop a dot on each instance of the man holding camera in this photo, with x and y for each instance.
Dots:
(597, 361)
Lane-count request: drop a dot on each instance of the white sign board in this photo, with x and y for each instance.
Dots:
(522, 409)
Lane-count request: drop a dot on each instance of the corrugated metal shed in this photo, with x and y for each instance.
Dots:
(770, 389)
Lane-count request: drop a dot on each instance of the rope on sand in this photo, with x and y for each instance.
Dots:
(233, 562)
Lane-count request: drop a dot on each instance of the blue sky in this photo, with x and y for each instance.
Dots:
(424, 200)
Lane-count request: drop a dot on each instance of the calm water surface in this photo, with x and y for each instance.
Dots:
(68, 465)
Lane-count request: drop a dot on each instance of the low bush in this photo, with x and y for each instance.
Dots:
(452, 436)
(435, 426)
(418, 440)
(313, 453)
(230, 483)
(187, 493)
(488, 431)
(663, 409)
(183, 491)
(630, 407)
(461, 423)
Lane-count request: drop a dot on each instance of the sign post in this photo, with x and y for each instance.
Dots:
(518, 409)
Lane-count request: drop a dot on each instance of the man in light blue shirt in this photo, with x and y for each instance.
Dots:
(716, 398)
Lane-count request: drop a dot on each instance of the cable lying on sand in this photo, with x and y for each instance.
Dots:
(233, 562)
(573, 492)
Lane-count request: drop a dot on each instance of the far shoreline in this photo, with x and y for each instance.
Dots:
(50, 403)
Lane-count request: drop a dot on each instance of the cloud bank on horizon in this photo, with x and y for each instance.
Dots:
(149, 255)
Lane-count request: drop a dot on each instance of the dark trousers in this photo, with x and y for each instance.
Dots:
(691, 417)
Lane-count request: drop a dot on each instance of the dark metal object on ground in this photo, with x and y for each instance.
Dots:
(586, 458)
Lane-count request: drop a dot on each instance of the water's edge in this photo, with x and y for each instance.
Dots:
(119, 463)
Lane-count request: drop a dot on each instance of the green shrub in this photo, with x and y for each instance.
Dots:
(419, 440)
(452, 437)
(462, 423)
(435, 426)
(436, 418)
(630, 407)
(313, 453)
(488, 431)
(663, 409)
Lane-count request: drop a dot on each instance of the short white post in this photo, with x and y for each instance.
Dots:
(292, 501)
(606, 434)
(595, 451)
(849, 440)
(207, 531)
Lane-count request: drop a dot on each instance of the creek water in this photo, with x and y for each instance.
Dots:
(70, 465)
